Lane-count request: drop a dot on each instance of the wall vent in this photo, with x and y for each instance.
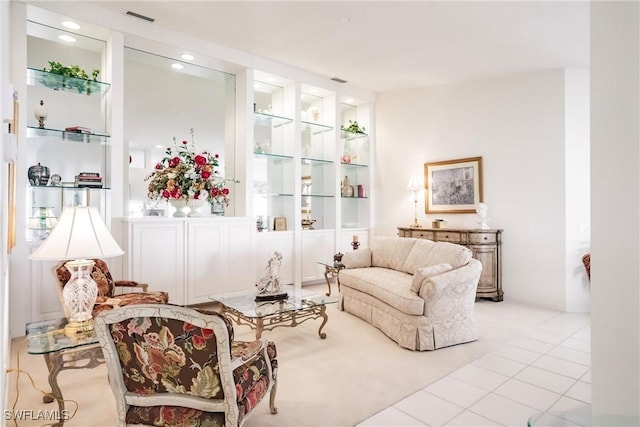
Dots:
(338, 79)
(137, 15)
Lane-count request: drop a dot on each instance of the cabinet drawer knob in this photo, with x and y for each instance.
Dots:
(485, 237)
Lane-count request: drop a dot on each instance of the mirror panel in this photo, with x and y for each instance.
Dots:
(162, 103)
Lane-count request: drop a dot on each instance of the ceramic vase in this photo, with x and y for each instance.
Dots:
(194, 206)
(179, 205)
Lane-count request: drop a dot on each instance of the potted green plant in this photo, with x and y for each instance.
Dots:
(354, 128)
(69, 77)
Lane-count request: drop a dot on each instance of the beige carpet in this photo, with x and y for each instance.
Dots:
(340, 381)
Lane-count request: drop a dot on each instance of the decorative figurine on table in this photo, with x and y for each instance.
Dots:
(482, 210)
(269, 285)
(355, 244)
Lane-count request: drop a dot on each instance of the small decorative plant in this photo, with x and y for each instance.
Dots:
(73, 78)
(354, 127)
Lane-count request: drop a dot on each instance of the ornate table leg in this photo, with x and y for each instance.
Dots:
(54, 362)
(323, 314)
(327, 272)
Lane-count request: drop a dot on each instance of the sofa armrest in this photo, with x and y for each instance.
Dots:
(357, 259)
(452, 291)
(130, 284)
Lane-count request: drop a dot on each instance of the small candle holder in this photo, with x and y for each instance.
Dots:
(355, 245)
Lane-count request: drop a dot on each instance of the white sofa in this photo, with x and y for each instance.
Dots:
(418, 292)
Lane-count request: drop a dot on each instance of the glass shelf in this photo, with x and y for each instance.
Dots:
(68, 187)
(316, 161)
(33, 131)
(273, 195)
(273, 156)
(318, 195)
(64, 83)
(264, 119)
(352, 198)
(354, 165)
(350, 136)
(315, 128)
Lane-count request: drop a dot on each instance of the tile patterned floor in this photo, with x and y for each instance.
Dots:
(546, 370)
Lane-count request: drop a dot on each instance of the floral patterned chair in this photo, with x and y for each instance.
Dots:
(107, 298)
(176, 366)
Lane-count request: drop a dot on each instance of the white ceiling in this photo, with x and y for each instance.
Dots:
(386, 45)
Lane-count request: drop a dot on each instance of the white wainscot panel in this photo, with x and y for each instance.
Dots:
(46, 297)
(266, 245)
(219, 259)
(157, 257)
(317, 245)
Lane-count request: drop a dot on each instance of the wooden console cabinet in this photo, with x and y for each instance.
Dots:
(486, 246)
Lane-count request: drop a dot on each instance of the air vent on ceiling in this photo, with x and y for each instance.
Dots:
(137, 15)
(338, 79)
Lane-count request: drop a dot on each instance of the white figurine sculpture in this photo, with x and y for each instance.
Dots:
(482, 210)
(269, 284)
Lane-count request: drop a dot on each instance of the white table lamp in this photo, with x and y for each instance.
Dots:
(416, 184)
(79, 235)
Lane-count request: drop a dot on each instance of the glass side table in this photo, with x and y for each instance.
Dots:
(61, 352)
(331, 270)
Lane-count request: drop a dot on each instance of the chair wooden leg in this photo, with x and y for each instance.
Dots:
(272, 397)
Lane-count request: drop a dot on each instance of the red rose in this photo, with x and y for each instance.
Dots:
(200, 160)
(184, 142)
(174, 162)
(225, 191)
(196, 196)
(205, 174)
(214, 192)
(216, 155)
(158, 166)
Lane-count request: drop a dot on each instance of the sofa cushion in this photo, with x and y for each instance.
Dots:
(387, 285)
(357, 259)
(391, 252)
(426, 252)
(425, 273)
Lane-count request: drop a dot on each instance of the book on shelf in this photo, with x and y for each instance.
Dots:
(89, 175)
(78, 129)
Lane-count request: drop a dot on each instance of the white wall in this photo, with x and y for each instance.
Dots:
(615, 210)
(577, 194)
(517, 124)
(5, 105)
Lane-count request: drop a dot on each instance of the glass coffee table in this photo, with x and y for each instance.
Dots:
(299, 307)
(331, 270)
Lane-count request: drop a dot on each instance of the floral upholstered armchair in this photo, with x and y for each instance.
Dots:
(175, 366)
(107, 298)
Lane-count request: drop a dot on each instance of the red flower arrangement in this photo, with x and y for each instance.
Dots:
(183, 174)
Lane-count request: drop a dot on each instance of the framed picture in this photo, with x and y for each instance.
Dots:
(453, 186)
(280, 223)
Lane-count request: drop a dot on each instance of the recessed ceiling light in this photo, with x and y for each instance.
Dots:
(71, 25)
(66, 38)
(159, 146)
(270, 79)
(314, 90)
(349, 101)
(177, 66)
(257, 86)
(187, 57)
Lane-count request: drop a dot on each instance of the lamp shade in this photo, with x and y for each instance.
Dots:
(80, 234)
(416, 183)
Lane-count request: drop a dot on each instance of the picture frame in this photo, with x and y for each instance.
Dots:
(280, 223)
(453, 186)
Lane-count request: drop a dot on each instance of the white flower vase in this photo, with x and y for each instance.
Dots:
(179, 205)
(195, 205)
